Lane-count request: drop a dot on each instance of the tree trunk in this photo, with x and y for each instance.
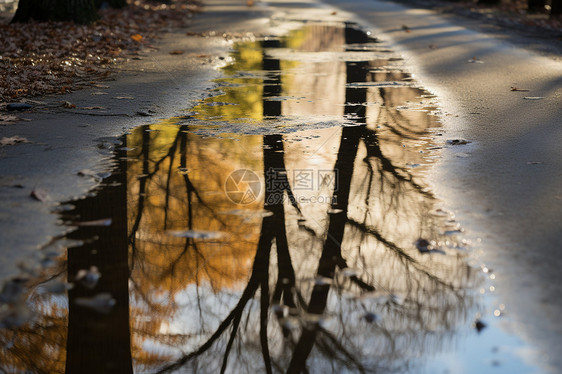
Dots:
(556, 8)
(535, 6)
(78, 11)
(115, 4)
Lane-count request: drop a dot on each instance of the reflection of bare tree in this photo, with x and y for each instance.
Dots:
(427, 293)
(272, 231)
(278, 286)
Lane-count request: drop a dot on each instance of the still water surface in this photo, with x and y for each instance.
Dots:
(283, 224)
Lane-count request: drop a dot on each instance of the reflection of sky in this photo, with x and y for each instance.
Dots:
(491, 351)
(419, 320)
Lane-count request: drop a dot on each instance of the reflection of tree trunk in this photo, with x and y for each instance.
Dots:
(272, 81)
(276, 186)
(331, 252)
(100, 342)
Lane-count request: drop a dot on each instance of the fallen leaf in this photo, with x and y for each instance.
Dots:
(69, 105)
(406, 28)
(475, 60)
(8, 119)
(13, 140)
(177, 52)
(458, 141)
(39, 194)
(423, 245)
(88, 278)
(93, 107)
(136, 37)
(479, 325)
(519, 89)
(370, 317)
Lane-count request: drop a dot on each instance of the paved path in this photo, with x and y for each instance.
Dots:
(506, 186)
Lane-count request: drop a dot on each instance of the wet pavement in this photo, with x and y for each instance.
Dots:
(284, 223)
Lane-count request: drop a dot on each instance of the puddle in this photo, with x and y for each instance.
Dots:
(283, 224)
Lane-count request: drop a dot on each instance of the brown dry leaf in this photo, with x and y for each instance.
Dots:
(13, 140)
(177, 52)
(93, 108)
(8, 119)
(39, 194)
(40, 58)
(519, 89)
(68, 104)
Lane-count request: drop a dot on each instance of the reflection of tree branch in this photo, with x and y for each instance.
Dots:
(172, 154)
(264, 309)
(248, 293)
(189, 185)
(140, 203)
(349, 360)
(331, 252)
(398, 118)
(401, 253)
(374, 151)
(235, 324)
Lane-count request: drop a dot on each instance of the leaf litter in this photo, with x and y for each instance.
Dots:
(59, 57)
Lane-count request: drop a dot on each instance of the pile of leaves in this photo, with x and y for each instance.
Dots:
(511, 14)
(58, 57)
(515, 14)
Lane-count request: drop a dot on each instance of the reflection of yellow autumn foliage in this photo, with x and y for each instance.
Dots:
(181, 188)
(176, 188)
(40, 345)
(39, 348)
(240, 97)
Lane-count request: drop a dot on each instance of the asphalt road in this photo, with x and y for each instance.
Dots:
(505, 187)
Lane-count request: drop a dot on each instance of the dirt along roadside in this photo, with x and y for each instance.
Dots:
(501, 92)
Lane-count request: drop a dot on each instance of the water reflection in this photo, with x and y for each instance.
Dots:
(318, 272)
